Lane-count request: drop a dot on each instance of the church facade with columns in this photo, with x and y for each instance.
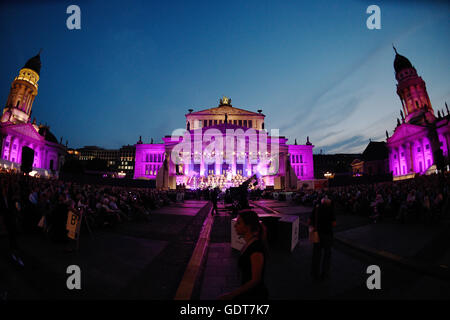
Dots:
(17, 131)
(242, 148)
(420, 142)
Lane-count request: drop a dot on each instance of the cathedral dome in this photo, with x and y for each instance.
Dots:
(45, 132)
(401, 62)
(34, 63)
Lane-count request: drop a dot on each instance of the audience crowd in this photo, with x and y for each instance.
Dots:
(42, 205)
(38, 204)
(422, 199)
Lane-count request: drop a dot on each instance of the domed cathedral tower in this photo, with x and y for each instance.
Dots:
(420, 143)
(22, 142)
(412, 92)
(24, 90)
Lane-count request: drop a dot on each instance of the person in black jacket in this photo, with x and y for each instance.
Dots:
(252, 260)
(213, 195)
(323, 219)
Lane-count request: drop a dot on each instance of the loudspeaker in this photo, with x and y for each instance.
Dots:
(27, 159)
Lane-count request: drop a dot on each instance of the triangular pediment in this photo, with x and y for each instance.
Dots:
(225, 110)
(406, 130)
(25, 129)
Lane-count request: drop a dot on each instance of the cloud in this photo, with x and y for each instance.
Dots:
(342, 117)
(342, 146)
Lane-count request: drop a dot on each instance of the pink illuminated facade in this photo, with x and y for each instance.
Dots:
(245, 149)
(17, 131)
(420, 143)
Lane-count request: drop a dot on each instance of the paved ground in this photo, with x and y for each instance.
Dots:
(288, 274)
(148, 260)
(132, 261)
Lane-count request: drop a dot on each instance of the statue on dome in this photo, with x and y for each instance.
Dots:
(225, 101)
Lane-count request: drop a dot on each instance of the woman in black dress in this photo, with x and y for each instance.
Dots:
(252, 259)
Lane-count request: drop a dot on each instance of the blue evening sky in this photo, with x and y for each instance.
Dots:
(136, 67)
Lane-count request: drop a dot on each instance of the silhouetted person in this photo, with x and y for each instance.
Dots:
(214, 193)
(59, 221)
(324, 219)
(243, 192)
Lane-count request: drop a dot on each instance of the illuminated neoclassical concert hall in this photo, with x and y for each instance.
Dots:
(274, 162)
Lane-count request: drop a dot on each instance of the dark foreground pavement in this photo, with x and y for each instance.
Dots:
(288, 274)
(148, 260)
(131, 261)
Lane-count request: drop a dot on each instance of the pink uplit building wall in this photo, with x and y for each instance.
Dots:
(17, 131)
(420, 143)
(293, 163)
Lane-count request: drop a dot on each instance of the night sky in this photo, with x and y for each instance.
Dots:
(136, 67)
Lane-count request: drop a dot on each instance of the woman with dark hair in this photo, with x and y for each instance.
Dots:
(252, 259)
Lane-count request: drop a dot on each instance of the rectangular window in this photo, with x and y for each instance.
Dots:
(235, 122)
(210, 123)
(427, 147)
(301, 159)
(418, 149)
(245, 123)
(250, 125)
(240, 123)
(402, 154)
(215, 121)
(301, 171)
(205, 123)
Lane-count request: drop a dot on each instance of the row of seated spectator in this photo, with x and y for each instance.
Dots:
(42, 204)
(421, 199)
